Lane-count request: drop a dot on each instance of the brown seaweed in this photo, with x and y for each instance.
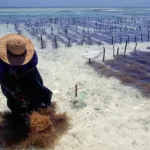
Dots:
(46, 127)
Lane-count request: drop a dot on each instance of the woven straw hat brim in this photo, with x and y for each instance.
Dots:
(12, 60)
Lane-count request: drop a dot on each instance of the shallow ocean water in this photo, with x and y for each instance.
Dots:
(108, 107)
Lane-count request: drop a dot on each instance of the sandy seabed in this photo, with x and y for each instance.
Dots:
(115, 117)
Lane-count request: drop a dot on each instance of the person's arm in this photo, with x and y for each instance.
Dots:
(2, 79)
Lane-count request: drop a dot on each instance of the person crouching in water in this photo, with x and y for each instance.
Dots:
(20, 79)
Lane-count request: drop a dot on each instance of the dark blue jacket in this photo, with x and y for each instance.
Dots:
(30, 85)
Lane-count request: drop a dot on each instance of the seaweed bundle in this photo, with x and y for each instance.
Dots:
(46, 126)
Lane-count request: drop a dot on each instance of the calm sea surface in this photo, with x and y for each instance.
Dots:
(8, 14)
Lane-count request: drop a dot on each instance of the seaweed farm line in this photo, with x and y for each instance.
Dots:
(101, 28)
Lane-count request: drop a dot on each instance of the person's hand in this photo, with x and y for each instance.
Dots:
(44, 105)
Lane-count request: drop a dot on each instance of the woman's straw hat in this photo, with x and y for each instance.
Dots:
(16, 49)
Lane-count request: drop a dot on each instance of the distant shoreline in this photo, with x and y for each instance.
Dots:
(79, 7)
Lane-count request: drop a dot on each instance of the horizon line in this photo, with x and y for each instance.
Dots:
(80, 7)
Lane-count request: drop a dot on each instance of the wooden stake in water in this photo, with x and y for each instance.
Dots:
(69, 42)
(89, 40)
(120, 40)
(42, 41)
(15, 26)
(113, 51)
(82, 40)
(112, 40)
(76, 26)
(125, 48)
(118, 51)
(83, 29)
(55, 41)
(99, 42)
(135, 47)
(66, 31)
(89, 60)
(121, 29)
(103, 54)
(33, 32)
(76, 90)
(51, 30)
(135, 38)
(44, 31)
